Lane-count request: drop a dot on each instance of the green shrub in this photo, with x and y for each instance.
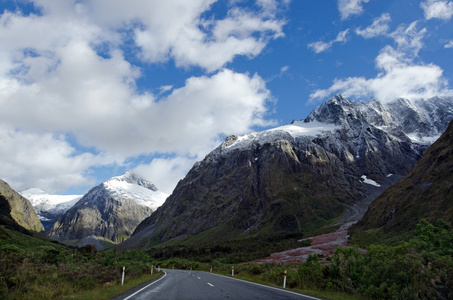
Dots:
(310, 273)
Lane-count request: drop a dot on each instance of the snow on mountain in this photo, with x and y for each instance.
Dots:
(421, 122)
(109, 211)
(370, 181)
(45, 204)
(293, 130)
(131, 186)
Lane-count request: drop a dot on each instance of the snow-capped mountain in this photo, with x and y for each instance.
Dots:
(422, 121)
(108, 212)
(134, 187)
(49, 207)
(300, 175)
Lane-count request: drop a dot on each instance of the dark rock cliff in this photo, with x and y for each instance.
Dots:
(426, 192)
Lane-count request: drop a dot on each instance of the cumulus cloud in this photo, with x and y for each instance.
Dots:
(166, 172)
(399, 74)
(36, 154)
(64, 71)
(176, 29)
(437, 9)
(380, 26)
(449, 44)
(348, 8)
(321, 46)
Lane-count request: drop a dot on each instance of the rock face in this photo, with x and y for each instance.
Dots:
(298, 176)
(49, 207)
(426, 192)
(108, 212)
(19, 208)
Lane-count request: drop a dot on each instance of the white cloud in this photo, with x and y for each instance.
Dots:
(47, 160)
(166, 172)
(283, 69)
(437, 9)
(348, 8)
(188, 121)
(165, 88)
(409, 39)
(321, 46)
(380, 26)
(63, 71)
(449, 44)
(176, 29)
(399, 76)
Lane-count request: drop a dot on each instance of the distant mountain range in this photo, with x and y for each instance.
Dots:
(292, 178)
(49, 207)
(109, 212)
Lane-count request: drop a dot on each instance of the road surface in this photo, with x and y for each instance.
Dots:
(182, 284)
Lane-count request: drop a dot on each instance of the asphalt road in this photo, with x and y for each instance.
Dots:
(181, 284)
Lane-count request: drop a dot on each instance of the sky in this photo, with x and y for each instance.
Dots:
(90, 89)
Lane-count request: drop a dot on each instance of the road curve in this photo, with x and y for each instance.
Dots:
(183, 284)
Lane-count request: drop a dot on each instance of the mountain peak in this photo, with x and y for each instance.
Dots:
(109, 211)
(133, 178)
(335, 111)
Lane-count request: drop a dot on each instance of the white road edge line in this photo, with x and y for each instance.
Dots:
(211, 284)
(269, 287)
(165, 274)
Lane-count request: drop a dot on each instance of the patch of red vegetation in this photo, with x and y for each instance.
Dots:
(323, 245)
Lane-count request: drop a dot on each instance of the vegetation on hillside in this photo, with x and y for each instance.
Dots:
(32, 267)
(421, 268)
(233, 251)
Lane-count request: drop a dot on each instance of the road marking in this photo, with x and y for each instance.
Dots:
(198, 277)
(211, 284)
(165, 274)
(269, 287)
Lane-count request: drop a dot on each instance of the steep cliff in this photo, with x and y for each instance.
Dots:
(19, 208)
(426, 192)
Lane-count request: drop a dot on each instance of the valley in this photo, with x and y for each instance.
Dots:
(303, 196)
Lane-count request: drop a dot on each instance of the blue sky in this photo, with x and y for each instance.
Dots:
(90, 89)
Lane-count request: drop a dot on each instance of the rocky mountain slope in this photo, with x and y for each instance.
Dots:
(109, 212)
(18, 208)
(49, 207)
(426, 192)
(299, 176)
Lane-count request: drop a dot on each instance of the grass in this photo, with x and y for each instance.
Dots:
(109, 291)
